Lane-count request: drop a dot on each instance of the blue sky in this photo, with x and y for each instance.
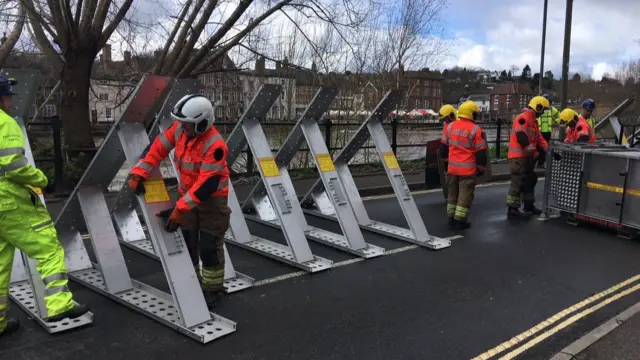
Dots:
(497, 34)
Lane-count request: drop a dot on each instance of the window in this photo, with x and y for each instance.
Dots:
(108, 113)
(47, 92)
(203, 93)
(102, 82)
(426, 104)
(49, 110)
(417, 103)
(219, 111)
(219, 96)
(235, 97)
(218, 82)
(103, 96)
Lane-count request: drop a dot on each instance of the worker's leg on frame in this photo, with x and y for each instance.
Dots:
(214, 216)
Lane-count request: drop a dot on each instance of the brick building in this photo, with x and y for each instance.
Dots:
(510, 97)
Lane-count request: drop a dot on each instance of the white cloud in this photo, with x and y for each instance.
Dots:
(602, 36)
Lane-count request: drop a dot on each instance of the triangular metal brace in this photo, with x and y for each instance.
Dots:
(306, 130)
(372, 129)
(184, 308)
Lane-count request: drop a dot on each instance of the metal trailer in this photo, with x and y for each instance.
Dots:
(27, 288)
(594, 183)
(318, 202)
(183, 308)
(127, 221)
(306, 130)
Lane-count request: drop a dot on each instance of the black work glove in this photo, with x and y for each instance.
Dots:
(174, 218)
(557, 156)
(51, 186)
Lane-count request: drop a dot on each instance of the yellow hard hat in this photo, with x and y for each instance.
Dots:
(567, 115)
(446, 111)
(468, 109)
(539, 103)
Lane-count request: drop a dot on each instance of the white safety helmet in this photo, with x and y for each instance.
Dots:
(195, 109)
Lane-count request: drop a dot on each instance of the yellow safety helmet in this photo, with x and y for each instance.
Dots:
(568, 115)
(539, 104)
(446, 111)
(469, 110)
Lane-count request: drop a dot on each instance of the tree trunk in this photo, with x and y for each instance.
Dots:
(74, 107)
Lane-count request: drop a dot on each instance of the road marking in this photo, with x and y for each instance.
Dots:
(342, 263)
(548, 322)
(568, 322)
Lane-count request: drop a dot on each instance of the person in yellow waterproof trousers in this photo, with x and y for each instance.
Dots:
(26, 224)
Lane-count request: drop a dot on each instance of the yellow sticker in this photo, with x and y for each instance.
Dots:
(155, 191)
(615, 189)
(325, 163)
(36, 190)
(390, 160)
(269, 167)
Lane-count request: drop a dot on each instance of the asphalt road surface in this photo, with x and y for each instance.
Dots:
(500, 280)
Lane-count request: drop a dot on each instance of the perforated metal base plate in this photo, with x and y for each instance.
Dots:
(22, 294)
(158, 306)
(240, 282)
(328, 238)
(396, 232)
(280, 253)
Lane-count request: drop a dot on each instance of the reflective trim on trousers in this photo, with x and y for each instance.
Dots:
(55, 290)
(4, 300)
(513, 200)
(212, 276)
(42, 225)
(55, 277)
(461, 213)
(451, 209)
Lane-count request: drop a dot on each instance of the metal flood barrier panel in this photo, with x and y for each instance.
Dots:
(306, 131)
(27, 287)
(278, 203)
(184, 308)
(598, 184)
(132, 233)
(317, 200)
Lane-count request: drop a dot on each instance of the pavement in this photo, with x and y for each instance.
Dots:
(502, 282)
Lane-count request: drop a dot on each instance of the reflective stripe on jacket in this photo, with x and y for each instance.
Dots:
(525, 123)
(464, 138)
(15, 171)
(195, 161)
(548, 119)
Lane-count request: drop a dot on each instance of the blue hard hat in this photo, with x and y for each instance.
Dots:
(6, 85)
(589, 104)
(546, 96)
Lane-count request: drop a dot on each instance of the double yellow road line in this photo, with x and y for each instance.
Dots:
(521, 346)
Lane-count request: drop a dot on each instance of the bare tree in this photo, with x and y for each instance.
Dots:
(71, 33)
(17, 18)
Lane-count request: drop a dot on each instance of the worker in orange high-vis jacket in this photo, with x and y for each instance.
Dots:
(526, 143)
(466, 147)
(578, 129)
(202, 212)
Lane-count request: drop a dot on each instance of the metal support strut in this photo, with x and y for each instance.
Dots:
(27, 287)
(278, 203)
(126, 218)
(184, 308)
(306, 130)
(372, 129)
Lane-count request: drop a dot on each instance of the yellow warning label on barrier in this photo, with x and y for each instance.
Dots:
(615, 189)
(325, 163)
(269, 167)
(390, 160)
(155, 191)
(36, 190)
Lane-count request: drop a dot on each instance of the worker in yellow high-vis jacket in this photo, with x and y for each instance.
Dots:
(26, 224)
(546, 122)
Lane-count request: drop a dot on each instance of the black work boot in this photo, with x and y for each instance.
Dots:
(13, 324)
(529, 208)
(212, 298)
(461, 224)
(513, 213)
(72, 313)
(451, 222)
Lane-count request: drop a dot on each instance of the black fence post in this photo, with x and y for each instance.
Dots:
(250, 164)
(619, 140)
(327, 133)
(633, 136)
(58, 160)
(498, 137)
(394, 135)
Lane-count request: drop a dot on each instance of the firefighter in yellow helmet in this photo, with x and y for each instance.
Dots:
(26, 224)
(448, 114)
(578, 129)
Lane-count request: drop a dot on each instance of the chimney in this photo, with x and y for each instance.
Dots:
(285, 62)
(106, 56)
(278, 66)
(127, 56)
(260, 65)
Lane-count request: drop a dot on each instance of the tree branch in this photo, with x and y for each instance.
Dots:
(167, 44)
(170, 60)
(195, 34)
(106, 34)
(14, 35)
